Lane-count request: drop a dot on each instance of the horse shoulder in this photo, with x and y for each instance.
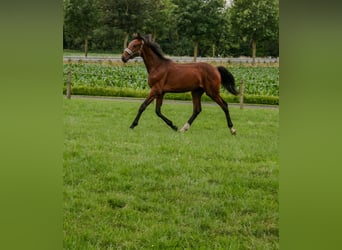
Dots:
(157, 76)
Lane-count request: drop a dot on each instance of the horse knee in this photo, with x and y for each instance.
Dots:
(142, 107)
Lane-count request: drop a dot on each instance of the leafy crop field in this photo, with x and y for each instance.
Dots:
(153, 188)
(258, 80)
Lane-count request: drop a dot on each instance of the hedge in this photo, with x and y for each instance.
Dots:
(142, 93)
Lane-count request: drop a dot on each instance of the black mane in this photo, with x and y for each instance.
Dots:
(157, 50)
(155, 47)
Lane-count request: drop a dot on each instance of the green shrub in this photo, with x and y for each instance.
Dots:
(142, 93)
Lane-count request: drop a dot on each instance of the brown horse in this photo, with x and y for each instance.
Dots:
(164, 76)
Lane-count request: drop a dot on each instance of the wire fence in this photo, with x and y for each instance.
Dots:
(181, 59)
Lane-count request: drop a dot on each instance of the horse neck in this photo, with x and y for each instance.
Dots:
(151, 59)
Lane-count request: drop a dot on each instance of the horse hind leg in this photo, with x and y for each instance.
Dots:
(196, 101)
(218, 99)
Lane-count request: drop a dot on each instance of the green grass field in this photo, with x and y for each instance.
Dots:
(153, 188)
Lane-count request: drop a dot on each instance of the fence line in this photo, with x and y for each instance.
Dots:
(175, 58)
(241, 90)
(69, 84)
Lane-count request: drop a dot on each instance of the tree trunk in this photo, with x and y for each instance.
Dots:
(195, 51)
(126, 40)
(254, 51)
(86, 45)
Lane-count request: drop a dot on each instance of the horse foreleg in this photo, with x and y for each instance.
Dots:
(143, 106)
(196, 101)
(159, 103)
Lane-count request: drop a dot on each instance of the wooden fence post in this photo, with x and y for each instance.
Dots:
(68, 90)
(242, 89)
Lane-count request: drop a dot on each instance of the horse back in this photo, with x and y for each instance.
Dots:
(190, 76)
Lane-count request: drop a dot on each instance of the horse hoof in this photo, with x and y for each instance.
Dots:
(233, 131)
(175, 128)
(185, 127)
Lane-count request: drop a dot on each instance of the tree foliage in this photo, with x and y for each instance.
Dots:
(199, 20)
(126, 15)
(80, 19)
(255, 21)
(181, 27)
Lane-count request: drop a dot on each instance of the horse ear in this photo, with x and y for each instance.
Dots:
(136, 35)
(148, 37)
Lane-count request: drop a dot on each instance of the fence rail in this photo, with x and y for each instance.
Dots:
(183, 59)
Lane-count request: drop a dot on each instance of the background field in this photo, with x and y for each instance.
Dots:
(261, 82)
(152, 187)
(258, 80)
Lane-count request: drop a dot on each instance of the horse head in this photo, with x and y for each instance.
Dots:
(134, 49)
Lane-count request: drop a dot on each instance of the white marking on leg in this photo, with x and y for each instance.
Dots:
(185, 127)
(232, 131)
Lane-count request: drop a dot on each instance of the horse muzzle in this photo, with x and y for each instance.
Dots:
(130, 54)
(124, 59)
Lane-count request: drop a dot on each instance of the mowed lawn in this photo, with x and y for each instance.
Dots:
(153, 188)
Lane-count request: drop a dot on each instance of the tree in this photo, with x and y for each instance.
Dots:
(80, 19)
(199, 20)
(127, 15)
(181, 27)
(159, 18)
(255, 21)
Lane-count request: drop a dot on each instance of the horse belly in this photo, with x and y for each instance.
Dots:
(183, 81)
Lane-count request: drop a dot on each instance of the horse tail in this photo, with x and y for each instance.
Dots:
(227, 80)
